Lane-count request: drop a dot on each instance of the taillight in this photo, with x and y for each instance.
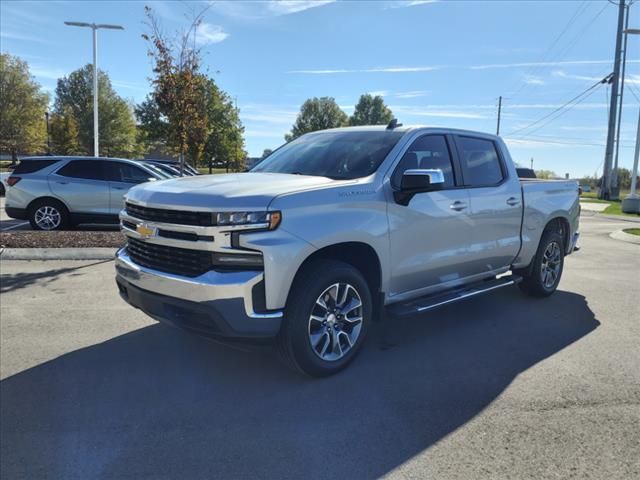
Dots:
(11, 181)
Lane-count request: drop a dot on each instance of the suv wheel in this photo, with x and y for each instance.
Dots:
(545, 273)
(326, 318)
(48, 215)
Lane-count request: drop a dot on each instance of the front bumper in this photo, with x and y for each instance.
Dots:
(215, 304)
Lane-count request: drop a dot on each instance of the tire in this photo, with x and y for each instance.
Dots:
(545, 273)
(48, 214)
(321, 341)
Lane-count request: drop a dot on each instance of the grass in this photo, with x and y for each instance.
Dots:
(632, 231)
(615, 206)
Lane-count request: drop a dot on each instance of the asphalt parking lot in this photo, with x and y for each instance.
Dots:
(501, 386)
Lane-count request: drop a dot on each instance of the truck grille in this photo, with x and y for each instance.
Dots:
(178, 217)
(179, 261)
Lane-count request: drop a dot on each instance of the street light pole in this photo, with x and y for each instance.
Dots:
(94, 27)
(631, 204)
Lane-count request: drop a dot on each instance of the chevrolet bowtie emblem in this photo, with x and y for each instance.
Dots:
(145, 231)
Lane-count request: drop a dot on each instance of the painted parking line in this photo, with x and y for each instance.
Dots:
(11, 227)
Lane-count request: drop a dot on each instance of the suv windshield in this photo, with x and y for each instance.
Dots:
(337, 154)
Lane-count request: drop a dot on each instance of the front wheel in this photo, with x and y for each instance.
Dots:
(326, 318)
(545, 273)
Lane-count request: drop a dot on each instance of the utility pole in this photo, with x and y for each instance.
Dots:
(499, 113)
(46, 114)
(531, 163)
(94, 28)
(615, 189)
(605, 189)
(631, 204)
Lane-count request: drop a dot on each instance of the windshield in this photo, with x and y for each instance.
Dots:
(336, 154)
(157, 171)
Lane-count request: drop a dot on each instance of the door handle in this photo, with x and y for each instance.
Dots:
(118, 188)
(61, 183)
(458, 206)
(513, 201)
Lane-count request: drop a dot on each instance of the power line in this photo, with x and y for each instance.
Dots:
(579, 11)
(574, 99)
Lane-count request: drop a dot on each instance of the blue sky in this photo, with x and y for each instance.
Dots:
(435, 62)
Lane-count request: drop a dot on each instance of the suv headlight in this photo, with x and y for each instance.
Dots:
(268, 220)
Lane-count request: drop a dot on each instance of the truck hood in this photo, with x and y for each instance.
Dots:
(233, 191)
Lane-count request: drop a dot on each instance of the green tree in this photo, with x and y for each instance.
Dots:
(64, 134)
(179, 87)
(23, 105)
(266, 152)
(371, 110)
(74, 94)
(152, 128)
(317, 114)
(624, 178)
(225, 142)
(546, 174)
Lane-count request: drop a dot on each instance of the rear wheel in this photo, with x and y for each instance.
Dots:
(543, 277)
(48, 214)
(326, 318)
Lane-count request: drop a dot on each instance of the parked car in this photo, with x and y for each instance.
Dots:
(3, 183)
(56, 192)
(310, 246)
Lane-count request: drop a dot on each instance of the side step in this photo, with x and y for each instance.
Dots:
(439, 299)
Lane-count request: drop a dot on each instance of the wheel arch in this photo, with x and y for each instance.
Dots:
(35, 201)
(359, 255)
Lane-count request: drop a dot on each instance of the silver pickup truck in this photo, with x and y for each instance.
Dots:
(337, 226)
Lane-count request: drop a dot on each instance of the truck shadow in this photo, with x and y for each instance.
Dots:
(160, 403)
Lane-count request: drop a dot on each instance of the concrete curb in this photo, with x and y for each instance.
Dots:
(625, 237)
(622, 218)
(57, 253)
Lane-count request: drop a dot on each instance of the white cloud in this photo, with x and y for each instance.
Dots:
(409, 3)
(208, 33)
(544, 64)
(438, 112)
(411, 94)
(533, 80)
(22, 37)
(379, 93)
(46, 72)
(563, 74)
(286, 7)
(254, 10)
(368, 70)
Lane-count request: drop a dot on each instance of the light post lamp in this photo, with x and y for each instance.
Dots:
(631, 204)
(94, 27)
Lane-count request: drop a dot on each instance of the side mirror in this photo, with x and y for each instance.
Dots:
(418, 181)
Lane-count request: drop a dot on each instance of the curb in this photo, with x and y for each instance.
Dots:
(58, 253)
(622, 218)
(625, 237)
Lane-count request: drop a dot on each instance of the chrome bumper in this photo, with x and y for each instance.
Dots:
(227, 295)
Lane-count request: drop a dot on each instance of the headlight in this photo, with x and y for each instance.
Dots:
(269, 220)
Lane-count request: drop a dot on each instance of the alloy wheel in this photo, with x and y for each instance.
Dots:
(550, 267)
(47, 217)
(335, 321)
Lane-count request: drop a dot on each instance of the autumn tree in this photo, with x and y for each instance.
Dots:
(317, 114)
(371, 110)
(22, 108)
(64, 134)
(74, 95)
(152, 128)
(179, 89)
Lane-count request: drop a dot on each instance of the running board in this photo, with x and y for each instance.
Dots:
(440, 299)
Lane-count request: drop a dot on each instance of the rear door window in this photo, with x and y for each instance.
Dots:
(86, 169)
(127, 173)
(480, 161)
(31, 166)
